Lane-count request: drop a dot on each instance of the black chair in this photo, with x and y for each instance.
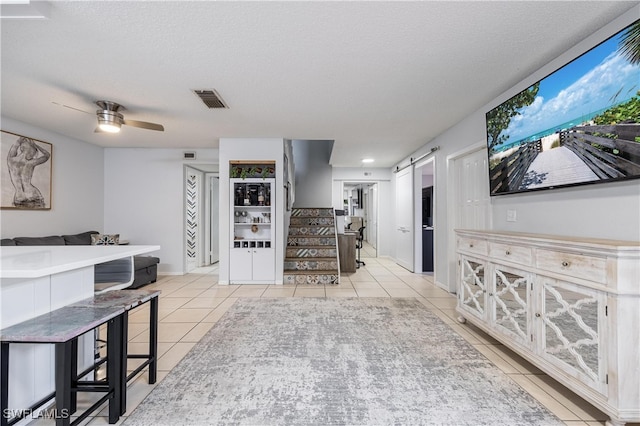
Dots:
(359, 240)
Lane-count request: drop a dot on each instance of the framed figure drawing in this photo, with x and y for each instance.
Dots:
(25, 172)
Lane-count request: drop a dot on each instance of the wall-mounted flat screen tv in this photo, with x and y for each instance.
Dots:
(579, 125)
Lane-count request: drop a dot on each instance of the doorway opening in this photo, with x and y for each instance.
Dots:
(201, 217)
(360, 203)
(425, 180)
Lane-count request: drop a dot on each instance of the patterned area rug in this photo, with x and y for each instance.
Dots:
(308, 361)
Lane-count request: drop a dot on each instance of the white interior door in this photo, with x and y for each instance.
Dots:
(473, 201)
(468, 199)
(404, 218)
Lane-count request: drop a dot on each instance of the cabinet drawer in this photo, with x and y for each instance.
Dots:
(472, 245)
(573, 264)
(511, 253)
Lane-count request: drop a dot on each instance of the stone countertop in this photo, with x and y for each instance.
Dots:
(125, 299)
(40, 261)
(60, 325)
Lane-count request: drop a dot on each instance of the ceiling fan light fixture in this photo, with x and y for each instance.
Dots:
(109, 121)
(109, 127)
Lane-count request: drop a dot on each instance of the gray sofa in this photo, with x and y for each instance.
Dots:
(145, 267)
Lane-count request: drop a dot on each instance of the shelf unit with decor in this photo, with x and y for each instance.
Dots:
(252, 245)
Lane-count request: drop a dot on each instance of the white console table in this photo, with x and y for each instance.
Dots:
(35, 280)
(570, 306)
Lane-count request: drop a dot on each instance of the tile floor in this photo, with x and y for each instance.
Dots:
(191, 304)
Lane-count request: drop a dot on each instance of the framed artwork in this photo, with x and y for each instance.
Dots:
(25, 172)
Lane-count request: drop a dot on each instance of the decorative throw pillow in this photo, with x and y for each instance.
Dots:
(82, 239)
(105, 239)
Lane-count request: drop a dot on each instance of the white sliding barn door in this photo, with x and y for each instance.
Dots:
(404, 218)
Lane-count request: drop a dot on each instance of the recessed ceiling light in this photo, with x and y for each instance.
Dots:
(368, 160)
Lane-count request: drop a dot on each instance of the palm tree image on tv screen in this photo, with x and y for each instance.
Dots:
(578, 125)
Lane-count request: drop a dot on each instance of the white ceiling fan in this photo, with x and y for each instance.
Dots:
(110, 120)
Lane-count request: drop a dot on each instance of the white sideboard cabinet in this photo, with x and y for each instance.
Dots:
(571, 306)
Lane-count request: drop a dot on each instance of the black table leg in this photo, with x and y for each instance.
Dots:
(63, 383)
(114, 366)
(74, 375)
(4, 385)
(153, 340)
(123, 361)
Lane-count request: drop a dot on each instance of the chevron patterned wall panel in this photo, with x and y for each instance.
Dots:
(191, 225)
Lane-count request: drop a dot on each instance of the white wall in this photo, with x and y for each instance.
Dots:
(313, 172)
(610, 210)
(77, 188)
(144, 199)
(386, 246)
(251, 149)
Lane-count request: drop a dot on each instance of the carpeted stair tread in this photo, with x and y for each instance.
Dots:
(299, 225)
(316, 278)
(313, 236)
(312, 247)
(312, 230)
(311, 240)
(316, 221)
(318, 259)
(311, 251)
(311, 264)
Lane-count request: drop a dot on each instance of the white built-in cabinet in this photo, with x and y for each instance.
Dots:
(571, 306)
(252, 253)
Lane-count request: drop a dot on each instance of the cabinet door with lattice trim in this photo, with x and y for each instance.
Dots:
(472, 291)
(510, 297)
(573, 330)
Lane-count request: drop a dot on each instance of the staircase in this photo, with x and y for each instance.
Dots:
(312, 254)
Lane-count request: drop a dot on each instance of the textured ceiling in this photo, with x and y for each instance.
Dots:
(379, 78)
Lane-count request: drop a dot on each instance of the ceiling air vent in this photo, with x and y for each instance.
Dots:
(210, 98)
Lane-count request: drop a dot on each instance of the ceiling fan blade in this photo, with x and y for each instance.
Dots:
(70, 107)
(144, 125)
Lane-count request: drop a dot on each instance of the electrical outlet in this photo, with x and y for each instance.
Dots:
(511, 215)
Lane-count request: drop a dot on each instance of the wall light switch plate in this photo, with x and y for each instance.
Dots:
(511, 215)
